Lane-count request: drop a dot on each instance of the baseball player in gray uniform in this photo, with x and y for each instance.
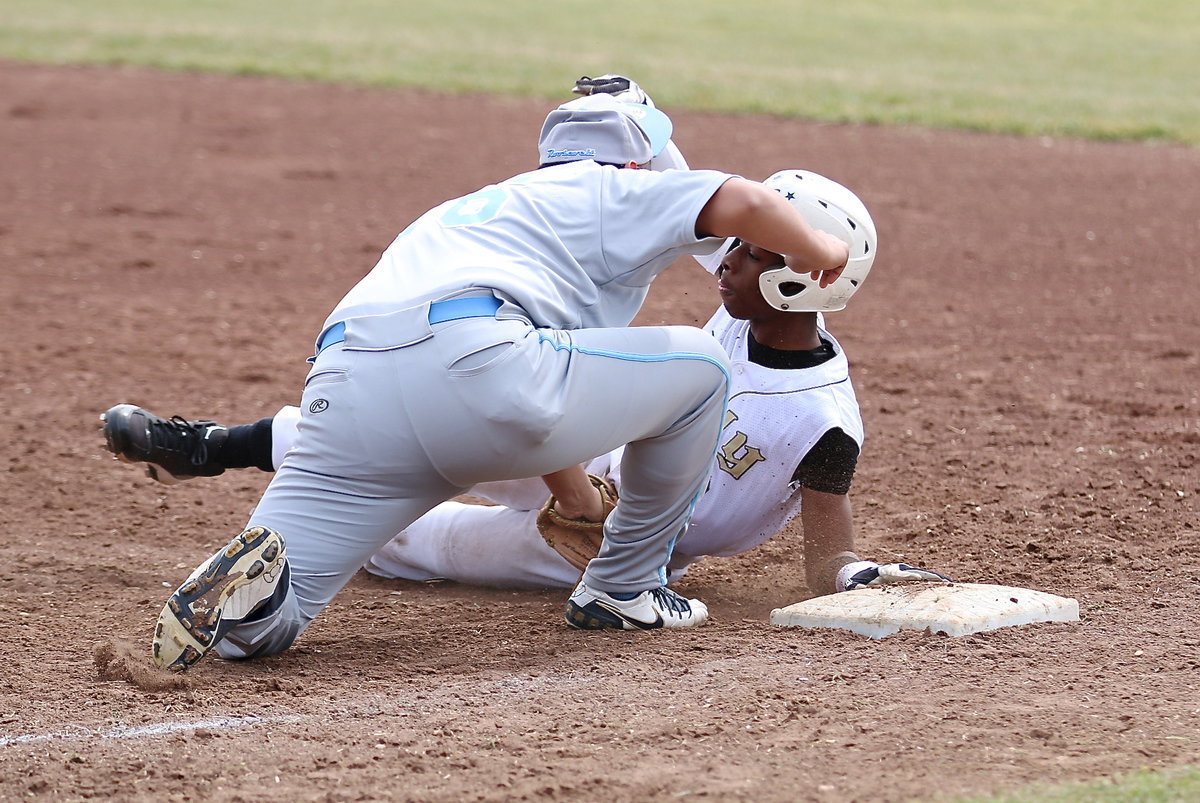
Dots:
(491, 342)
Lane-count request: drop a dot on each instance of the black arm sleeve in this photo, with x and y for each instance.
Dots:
(829, 465)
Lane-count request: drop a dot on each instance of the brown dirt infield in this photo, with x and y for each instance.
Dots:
(1027, 353)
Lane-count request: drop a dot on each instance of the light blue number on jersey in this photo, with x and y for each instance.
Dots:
(478, 207)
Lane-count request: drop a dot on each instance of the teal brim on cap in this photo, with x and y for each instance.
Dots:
(656, 125)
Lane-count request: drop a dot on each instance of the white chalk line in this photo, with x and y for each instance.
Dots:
(364, 707)
(156, 729)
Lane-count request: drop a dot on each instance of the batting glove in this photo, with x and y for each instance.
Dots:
(868, 573)
(620, 87)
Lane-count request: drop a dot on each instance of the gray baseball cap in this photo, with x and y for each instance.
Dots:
(604, 129)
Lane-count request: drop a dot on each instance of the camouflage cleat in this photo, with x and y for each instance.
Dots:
(224, 590)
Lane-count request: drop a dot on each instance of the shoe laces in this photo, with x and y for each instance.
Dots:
(669, 600)
(181, 436)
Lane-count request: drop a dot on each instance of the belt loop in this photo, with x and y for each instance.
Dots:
(332, 336)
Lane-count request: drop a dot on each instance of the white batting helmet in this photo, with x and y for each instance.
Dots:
(829, 207)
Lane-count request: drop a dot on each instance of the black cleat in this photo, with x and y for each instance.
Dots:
(173, 449)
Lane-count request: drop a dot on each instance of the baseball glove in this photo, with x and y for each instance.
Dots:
(577, 540)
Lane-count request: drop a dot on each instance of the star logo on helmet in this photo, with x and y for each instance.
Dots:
(791, 196)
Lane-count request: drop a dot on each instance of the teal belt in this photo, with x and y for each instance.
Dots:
(454, 309)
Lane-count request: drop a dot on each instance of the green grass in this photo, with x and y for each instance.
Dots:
(1105, 69)
(1139, 787)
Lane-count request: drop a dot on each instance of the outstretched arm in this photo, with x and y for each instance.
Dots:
(828, 523)
(830, 563)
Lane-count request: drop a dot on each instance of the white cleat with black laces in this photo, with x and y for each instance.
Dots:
(590, 609)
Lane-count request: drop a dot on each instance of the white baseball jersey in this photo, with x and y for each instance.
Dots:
(775, 416)
(564, 272)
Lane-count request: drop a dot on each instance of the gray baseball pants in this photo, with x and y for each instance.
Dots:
(405, 414)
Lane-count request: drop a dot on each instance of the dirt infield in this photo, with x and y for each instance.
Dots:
(1027, 353)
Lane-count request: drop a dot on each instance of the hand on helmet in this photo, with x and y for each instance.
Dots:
(839, 251)
(868, 573)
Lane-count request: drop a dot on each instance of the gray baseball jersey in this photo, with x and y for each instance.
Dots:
(573, 246)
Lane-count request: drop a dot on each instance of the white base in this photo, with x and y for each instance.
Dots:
(955, 609)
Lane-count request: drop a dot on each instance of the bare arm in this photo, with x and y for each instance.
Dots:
(574, 495)
(759, 215)
(828, 537)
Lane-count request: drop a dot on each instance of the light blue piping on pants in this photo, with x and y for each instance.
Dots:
(662, 571)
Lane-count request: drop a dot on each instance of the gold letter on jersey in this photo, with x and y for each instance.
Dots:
(735, 458)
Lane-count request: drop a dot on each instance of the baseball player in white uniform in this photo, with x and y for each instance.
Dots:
(491, 342)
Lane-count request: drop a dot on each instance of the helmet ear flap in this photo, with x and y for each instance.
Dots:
(782, 287)
(829, 207)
